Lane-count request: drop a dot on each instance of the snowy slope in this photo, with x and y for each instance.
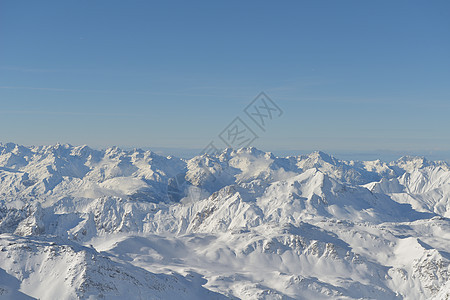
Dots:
(45, 269)
(243, 224)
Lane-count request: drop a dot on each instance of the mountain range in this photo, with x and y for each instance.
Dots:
(80, 223)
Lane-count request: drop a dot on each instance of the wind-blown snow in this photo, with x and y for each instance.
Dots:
(77, 223)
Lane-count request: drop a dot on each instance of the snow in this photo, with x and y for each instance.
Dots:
(82, 223)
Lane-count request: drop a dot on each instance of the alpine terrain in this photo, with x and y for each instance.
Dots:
(79, 223)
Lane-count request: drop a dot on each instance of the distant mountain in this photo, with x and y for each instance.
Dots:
(242, 224)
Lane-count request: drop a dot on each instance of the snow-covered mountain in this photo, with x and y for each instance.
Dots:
(82, 223)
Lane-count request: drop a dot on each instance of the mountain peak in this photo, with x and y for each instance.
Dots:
(319, 155)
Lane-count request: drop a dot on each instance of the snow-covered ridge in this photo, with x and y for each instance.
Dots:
(49, 171)
(243, 224)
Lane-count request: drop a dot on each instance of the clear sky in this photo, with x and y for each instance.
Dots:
(361, 76)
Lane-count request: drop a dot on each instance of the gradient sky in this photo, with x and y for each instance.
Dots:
(349, 75)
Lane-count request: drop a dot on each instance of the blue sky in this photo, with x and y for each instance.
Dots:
(350, 76)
